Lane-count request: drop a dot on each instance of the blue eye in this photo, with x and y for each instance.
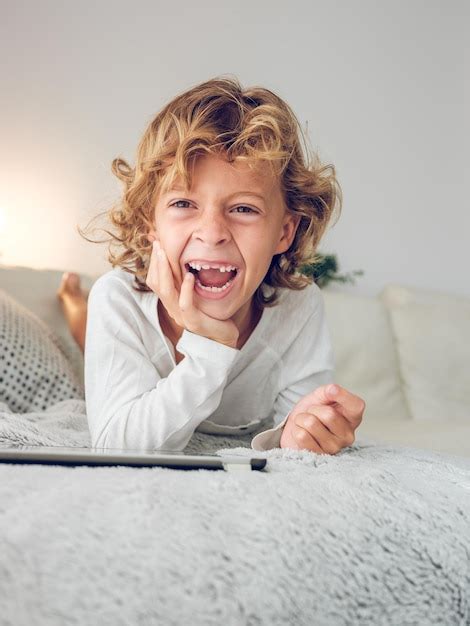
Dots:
(241, 206)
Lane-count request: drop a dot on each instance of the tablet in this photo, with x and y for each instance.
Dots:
(64, 455)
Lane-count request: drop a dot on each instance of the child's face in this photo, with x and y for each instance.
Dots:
(213, 221)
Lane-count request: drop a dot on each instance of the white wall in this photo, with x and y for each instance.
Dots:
(380, 83)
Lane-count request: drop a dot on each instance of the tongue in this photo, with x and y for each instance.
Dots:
(214, 278)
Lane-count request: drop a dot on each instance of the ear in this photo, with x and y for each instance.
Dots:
(152, 235)
(289, 228)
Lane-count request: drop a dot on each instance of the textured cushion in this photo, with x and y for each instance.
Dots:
(36, 290)
(432, 331)
(34, 371)
(365, 355)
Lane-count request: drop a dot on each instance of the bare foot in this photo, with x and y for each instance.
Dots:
(74, 305)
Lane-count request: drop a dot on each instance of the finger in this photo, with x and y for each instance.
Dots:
(166, 282)
(305, 440)
(152, 274)
(191, 315)
(329, 443)
(186, 299)
(349, 405)
(340, 428)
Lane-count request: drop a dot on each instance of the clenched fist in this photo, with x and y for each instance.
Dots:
(323, 421)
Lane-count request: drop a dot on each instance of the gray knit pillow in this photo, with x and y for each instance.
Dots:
(34, 371)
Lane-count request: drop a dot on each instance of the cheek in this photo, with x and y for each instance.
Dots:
(259, 253)
(256, 246)
(172, 247)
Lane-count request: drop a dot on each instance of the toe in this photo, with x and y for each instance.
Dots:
(63, 285)
(73, 282)
(70, 286)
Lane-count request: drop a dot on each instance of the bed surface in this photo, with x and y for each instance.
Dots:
(373, 535)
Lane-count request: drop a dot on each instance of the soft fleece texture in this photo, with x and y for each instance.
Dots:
(373, 535)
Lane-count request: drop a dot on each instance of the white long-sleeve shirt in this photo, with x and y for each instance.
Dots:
(137, 397)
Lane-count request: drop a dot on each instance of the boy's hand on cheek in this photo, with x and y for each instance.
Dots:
(181, 306)
(323, 422)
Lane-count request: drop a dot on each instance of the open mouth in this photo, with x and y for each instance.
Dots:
(213, 280)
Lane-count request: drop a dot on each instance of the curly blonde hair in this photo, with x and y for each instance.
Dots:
(253, 125)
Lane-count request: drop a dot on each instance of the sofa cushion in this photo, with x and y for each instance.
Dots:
(365, 355)
(34, 371)
(36, 290)
(432, 331)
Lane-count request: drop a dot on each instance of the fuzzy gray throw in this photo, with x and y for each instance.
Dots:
(375, 535)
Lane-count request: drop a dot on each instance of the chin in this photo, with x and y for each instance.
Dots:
(216, 309)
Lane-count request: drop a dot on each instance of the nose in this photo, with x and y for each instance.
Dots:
(212, 229)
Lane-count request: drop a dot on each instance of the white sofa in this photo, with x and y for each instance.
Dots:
(406, 352)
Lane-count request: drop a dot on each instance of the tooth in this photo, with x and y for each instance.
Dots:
(222, 268)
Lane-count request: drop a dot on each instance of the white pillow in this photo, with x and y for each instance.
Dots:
(432, 331)
(34, 371)
(365, 355)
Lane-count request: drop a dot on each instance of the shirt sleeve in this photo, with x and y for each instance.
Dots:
(307, 364)
(129, 405)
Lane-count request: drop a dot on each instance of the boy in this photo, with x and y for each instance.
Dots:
(183, 329)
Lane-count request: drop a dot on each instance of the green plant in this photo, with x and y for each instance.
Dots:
(325, 270)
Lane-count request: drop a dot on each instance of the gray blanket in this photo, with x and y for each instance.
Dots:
(373, 535)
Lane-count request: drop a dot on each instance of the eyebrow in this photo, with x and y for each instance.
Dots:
(236, 193)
